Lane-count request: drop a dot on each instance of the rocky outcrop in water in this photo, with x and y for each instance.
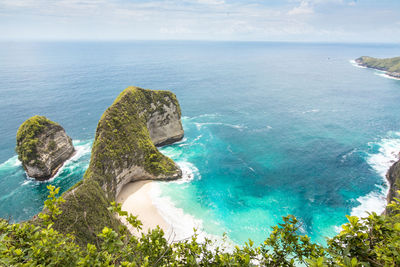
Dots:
(124, 147)
(42, 147)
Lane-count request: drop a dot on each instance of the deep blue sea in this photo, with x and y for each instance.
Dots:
(270, 128)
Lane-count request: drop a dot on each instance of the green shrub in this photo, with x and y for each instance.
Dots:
(371, 241)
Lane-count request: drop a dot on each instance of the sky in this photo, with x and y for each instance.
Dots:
(373, 21)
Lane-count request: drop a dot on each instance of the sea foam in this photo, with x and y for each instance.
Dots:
(199, 125)
(380, 160)
(11, 162)
(189, 172)
(184, 225)
(355, 64)
(385, 75)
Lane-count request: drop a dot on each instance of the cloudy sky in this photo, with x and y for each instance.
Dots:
(254, 20)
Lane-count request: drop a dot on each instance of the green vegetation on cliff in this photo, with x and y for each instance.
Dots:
(385, 64)
(27, 137)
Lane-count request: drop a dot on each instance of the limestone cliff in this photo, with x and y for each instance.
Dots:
(42, 147)
(124, 150)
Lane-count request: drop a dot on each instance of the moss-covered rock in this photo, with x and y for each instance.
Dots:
(124, 150)
(42, 147)
(390, 65)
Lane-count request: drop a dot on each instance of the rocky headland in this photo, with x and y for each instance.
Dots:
(124, 150)
(42, 147)
(390, 65)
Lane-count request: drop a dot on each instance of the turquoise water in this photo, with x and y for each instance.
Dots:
(270, 128)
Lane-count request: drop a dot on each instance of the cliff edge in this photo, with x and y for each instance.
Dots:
(42, 147)
(124, 150)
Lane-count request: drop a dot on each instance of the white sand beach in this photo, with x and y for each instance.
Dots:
(135, 198)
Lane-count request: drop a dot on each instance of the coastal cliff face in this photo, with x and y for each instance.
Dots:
(164, 123)
(124, 148)
(42, 147)
(390, 65)
(123, 151)
(393, 177)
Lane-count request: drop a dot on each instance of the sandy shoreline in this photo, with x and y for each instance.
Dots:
(135, 199)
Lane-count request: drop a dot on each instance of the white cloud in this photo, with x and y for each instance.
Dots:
(304, 9)
(211, 2)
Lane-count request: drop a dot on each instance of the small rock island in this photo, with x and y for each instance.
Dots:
(42, 147)
(390, 65)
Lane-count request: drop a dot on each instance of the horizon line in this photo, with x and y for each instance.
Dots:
(192, 40)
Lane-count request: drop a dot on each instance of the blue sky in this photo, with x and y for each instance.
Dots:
(253, 20)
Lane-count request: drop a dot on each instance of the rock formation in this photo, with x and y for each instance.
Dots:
(124, 147)
(42, 147)
(123, 151)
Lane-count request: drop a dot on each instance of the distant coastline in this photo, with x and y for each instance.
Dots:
(390, 66)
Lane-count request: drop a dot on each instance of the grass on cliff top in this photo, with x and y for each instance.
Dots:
(123, 140)
(27, 136)
(387, 64)
(147, 96)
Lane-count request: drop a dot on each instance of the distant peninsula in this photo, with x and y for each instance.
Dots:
(390, 65)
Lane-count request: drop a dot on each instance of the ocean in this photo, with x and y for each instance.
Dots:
(271, 129)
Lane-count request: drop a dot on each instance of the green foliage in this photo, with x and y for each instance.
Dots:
(51, 204)
(27, 137)
(371, 241)
(131, 219)
(286, 247)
